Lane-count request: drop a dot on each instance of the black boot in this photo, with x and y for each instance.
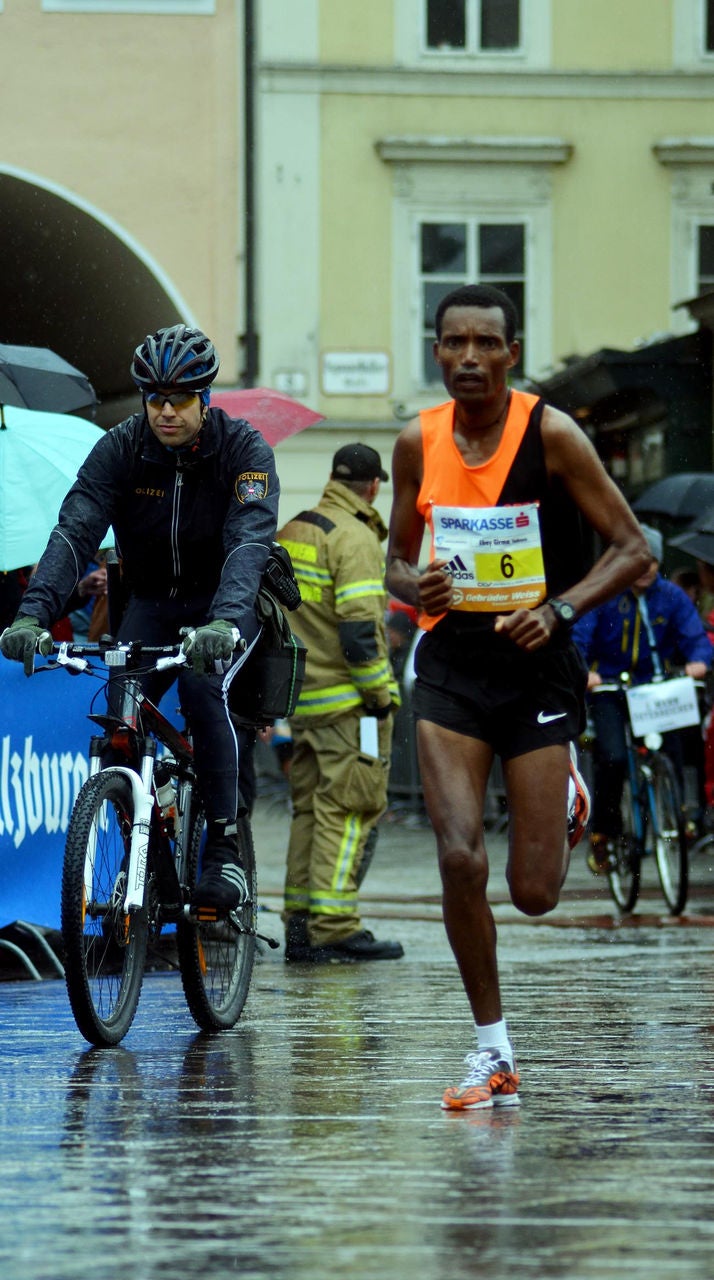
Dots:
(357, 947)
(297, 942)
(222, 885)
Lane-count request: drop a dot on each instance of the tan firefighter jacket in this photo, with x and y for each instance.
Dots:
(337, 556)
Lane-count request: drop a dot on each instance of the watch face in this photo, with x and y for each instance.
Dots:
(563, 610)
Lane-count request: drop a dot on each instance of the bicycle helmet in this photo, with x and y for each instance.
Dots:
(175, 357)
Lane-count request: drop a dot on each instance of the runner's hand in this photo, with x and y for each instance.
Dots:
(211, 647)
(23, 639)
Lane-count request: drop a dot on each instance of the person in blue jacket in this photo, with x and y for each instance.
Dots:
(643, 631)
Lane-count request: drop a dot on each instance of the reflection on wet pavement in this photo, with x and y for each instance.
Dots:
(308, 1143)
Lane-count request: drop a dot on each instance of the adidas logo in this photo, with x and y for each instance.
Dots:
(458, 569)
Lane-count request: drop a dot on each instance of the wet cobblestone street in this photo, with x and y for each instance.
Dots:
(308, 1142)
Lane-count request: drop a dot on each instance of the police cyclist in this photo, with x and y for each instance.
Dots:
(192, 496)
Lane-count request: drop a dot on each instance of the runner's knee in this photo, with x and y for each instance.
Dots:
(463, 870)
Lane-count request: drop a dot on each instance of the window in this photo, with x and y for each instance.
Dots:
(458, 35)
(705, 258)
(693, 33)
(473, 251)
(473, 25)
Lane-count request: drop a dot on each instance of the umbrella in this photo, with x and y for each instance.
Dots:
(680, 496)
(698, 539)
(275, 415)
(40, 455)
(37, 378)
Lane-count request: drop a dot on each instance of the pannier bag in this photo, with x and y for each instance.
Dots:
(267, 686)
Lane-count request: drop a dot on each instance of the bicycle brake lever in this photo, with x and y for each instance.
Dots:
(174, 660)
(73, 664)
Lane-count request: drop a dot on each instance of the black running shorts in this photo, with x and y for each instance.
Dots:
(485, 687)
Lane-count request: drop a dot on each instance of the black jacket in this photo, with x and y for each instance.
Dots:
(188, 524)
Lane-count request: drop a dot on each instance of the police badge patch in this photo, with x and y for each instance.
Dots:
(251, 486)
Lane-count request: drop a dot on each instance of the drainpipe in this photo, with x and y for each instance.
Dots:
(250, 337)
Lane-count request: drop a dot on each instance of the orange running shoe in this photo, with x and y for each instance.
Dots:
(491, 1082)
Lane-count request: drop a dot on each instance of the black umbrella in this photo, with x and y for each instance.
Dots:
(680, 496)
(698, 539)
(37, 378)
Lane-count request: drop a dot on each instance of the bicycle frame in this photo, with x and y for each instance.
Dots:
(139, 724)
(653, 824)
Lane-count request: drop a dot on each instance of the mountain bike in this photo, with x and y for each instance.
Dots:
(652, 817)
(133, 856)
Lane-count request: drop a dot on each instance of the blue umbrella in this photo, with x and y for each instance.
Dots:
(40, 455)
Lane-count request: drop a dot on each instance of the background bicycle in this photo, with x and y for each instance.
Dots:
(651, 807)
(132, 858)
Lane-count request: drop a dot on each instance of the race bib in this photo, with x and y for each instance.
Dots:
(661, 707)
(495, 556)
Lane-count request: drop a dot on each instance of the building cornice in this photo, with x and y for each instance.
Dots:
(282, 77)
(685, 150)
(405, 149)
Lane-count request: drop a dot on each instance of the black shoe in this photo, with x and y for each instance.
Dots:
(359, 946)
(222, 886)
(297, 941)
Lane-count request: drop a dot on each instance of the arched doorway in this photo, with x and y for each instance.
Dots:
(72, 279)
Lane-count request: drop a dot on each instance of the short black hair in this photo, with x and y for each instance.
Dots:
(479, 295)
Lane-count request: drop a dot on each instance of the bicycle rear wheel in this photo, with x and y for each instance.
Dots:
(624, 869)
(216, 960)
(104, 948)
(669, 840)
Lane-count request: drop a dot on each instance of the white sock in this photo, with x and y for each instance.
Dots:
(494, 1035)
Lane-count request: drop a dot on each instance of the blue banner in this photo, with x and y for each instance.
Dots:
(44, 741)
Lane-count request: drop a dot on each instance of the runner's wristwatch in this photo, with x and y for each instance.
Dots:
(564, 611)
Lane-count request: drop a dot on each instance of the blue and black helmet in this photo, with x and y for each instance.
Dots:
(175, 357)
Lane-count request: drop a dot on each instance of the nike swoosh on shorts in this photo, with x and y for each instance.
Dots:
(545, 719)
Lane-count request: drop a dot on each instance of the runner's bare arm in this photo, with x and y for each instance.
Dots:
(432, 589)
(570, 456)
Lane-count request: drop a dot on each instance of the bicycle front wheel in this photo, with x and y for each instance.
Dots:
(217, 960)
(669, 840)
(104, 947)
(625, 862)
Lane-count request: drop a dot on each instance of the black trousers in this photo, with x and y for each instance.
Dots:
(202, 700)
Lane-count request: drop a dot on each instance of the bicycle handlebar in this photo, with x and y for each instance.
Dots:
(75, 656)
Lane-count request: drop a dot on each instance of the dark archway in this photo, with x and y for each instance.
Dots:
(73, 280)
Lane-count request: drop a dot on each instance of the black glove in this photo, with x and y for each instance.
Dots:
(23, 639)
(211, 648)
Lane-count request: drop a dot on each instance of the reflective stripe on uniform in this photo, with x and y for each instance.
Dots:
(358, 590)
(296, 899)
(340, 697)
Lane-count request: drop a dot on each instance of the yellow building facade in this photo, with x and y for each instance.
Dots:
(563, 149)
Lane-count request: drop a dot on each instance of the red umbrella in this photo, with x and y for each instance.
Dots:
(275, 415)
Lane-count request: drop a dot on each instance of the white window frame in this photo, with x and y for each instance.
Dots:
(691, 164)
(173, 7)
(411, 48)
(689, 33)
(463, 185)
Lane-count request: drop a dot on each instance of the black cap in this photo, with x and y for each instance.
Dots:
(357, 462)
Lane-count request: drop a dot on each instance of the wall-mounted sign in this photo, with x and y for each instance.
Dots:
(355, 373)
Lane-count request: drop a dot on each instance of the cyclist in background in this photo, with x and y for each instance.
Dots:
(192, 496)
(652, 624)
